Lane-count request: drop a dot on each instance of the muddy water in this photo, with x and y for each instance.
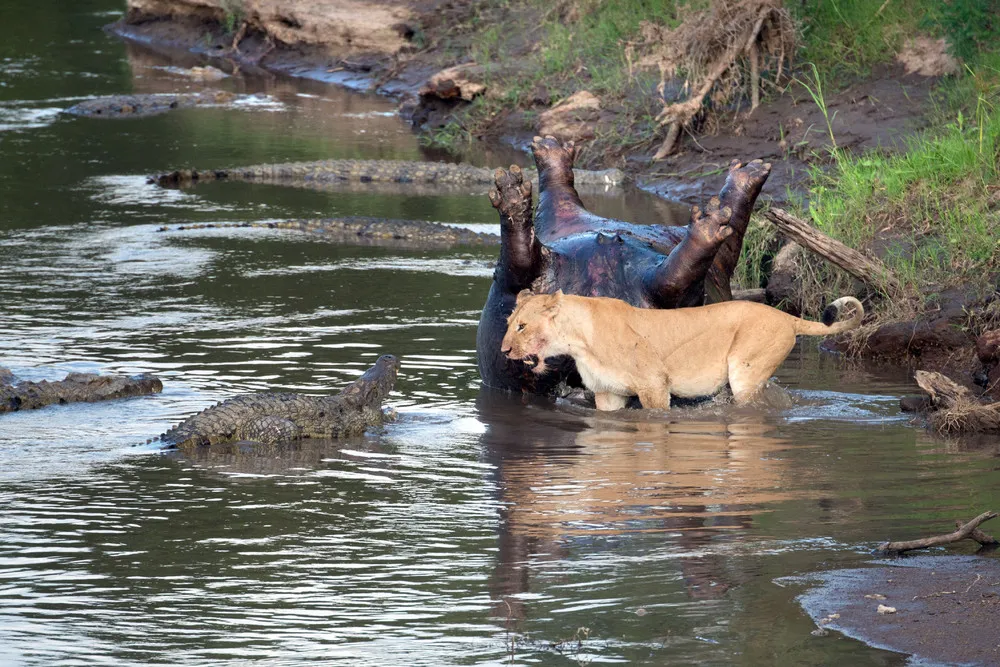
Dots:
(478, 529)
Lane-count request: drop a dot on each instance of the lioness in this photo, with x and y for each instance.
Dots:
(622, 351)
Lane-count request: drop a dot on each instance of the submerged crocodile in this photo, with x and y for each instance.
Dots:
(280, 417)
(75, 388)
(360, 230)
(147, 104)
(326, 172)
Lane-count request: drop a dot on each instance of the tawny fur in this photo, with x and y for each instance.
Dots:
(622, 351)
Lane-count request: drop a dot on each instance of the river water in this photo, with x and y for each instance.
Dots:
(478, 529)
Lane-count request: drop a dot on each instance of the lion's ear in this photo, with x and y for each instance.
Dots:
(559, 294)
(523, 294)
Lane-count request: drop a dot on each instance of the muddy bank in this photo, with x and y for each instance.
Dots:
(791, 132)
(946, 607)
(355, 43)
(942, 339)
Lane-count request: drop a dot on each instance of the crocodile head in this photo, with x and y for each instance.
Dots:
(372, 388)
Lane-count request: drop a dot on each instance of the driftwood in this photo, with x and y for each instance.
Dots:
(968, 530)
(75, 388)
(954, 409)
(859, 265)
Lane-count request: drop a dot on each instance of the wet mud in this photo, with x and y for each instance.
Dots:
(791, 133)
(945, 607)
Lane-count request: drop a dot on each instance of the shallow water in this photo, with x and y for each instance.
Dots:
(478, 529)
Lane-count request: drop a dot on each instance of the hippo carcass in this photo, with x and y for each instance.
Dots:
(566, 247)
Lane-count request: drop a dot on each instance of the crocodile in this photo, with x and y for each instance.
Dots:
(74, 388)
(271, 418)
(147, 104)
(358, 230)
(326, 172)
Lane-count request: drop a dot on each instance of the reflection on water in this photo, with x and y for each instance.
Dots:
(477, 529)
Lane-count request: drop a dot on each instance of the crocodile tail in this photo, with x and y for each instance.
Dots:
(830, 325)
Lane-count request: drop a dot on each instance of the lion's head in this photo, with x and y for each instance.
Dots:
(529, 336)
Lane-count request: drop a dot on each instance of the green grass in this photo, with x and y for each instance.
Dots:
(847, 38)
(233, 16)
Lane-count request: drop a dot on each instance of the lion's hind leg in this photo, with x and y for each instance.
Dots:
(750, 369)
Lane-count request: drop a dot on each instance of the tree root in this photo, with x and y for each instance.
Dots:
(968, 530)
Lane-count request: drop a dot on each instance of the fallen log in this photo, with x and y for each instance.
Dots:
(954, 409)
(867, 269)
(75, 388)
(968, 530)
(755, 294)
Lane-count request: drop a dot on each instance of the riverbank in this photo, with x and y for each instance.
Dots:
(498, 73)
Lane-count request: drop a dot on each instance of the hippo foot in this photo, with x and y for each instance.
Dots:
(553, 157)
(512, 195)
(709, 228)
(748, 178)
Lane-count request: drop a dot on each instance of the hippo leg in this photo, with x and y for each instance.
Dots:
(560, 209)
(739, 194)
(521, 262)
(679, 280)
(520, 251)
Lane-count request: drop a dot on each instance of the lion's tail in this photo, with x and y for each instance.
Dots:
(829, 325)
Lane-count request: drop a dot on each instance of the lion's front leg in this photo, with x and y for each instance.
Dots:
(608, 401)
